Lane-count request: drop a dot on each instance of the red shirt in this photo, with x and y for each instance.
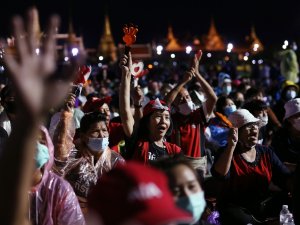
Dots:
(116, 133)
(188, 132)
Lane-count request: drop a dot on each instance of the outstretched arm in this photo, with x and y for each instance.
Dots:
(207, 89)
(124, 95)
(30, 75)
(171, 96)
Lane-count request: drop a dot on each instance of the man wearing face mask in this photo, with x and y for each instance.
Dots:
(9, 105)
(190, 124)
(84, 165)
(286, 141)
(224, 84)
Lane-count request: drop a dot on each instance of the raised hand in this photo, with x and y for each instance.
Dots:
(232, 137)
(196, 61)
(31, 71)
(126, 64)
(188, 75)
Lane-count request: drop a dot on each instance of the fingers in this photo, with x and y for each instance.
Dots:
(32, 33)
(19, 34)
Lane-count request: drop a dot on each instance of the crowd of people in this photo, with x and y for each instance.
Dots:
(199, 147)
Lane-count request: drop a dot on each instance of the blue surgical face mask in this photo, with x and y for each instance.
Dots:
(227, 89)
(41, 155)
(290, 94)
(194, 204)
(98, 144)
(229, 109)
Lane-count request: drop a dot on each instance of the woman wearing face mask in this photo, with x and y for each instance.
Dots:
(83, 166)
(185, 185)
(219, 125)
(286, 141)
(259, 109)
(145, 138)
(247, 170)
(52, 200)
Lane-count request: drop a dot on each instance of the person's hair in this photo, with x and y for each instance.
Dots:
(91, 118)
(251, 92)
(166, 164)
(255, 105)
(221, 102)
(143, 130)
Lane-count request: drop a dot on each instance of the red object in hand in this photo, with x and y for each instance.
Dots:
(83, 74)
(129, 34)
(199, 54)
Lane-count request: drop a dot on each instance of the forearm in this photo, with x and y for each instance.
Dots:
(222, 165)
(209, 93)
(124, 101)
(16, 166)
(170, 97)
(62, 145)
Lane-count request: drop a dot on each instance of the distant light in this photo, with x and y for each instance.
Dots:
(253, 61)
(37, 51)
(174, 63)
(101, 58)
(226, 58)
(188, 49)
(75, 51)
(260, 61)
(286, 42)
(230, 46)
(247, 54)
(159, 48)
(66, 58)
(246, 58)
(208, 55)
(150, 66)
(2, 69)
(172, 55)
(284, 46)
(155, 63)
(158, 53)
(256, 46)
(99, 64)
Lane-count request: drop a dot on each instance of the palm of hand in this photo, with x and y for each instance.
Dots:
(31, 71)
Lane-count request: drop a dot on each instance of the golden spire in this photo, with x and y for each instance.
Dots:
(36, 23)
(255, 43)
(173, 44)
(71, 33)
(107, 47)
(213, 41)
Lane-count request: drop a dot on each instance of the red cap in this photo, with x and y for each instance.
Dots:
(95, 103)
(154, 105)
(135, 192)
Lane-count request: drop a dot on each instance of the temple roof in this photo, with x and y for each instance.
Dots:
(172, 45)
(213, 41)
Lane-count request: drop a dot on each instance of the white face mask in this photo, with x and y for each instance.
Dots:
(98, 144)
(186, 108)
(290, 94)
(194, 204)
(227, 89)
(263, 120)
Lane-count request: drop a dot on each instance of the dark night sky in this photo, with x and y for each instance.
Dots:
(275, 20)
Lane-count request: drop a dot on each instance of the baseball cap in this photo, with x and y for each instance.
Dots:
(134, 191)
(241, 117)
(154, 105)
(292, 107)
(94, 103)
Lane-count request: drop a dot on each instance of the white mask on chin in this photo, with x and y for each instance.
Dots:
(186, 108)
(263, 120)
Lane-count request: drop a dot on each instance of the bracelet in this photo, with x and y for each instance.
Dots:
(137, 106)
